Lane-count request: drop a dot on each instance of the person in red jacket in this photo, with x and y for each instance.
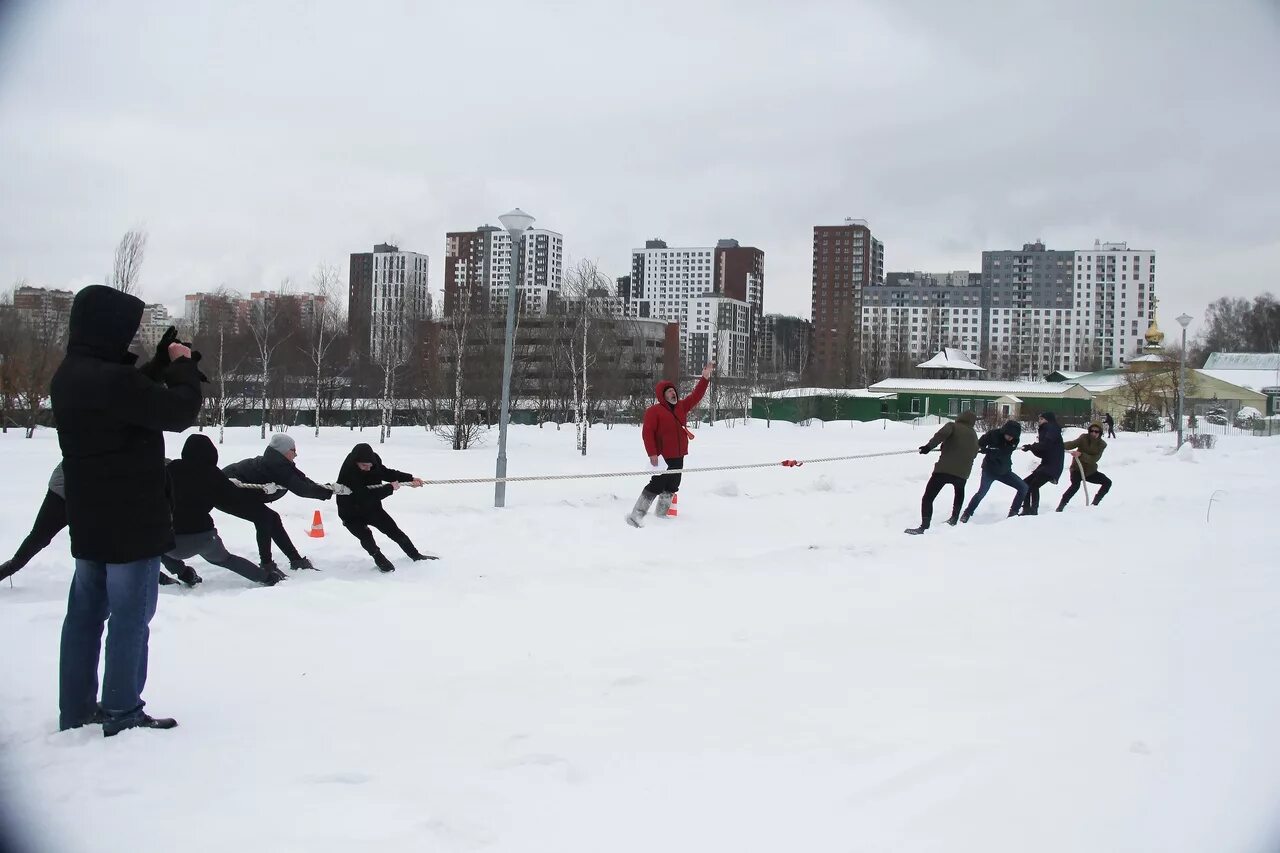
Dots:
(666, 435)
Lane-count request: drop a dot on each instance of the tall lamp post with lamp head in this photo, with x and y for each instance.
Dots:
(1184, 320)
(516, 222)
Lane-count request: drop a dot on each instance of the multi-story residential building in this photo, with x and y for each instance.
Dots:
(786, 344)
(1115, 297)
(913, 315)
(41, 305)
(155, 321)
(389, 299)
(202, 312)
(479, 263)
(717, 329)
(665, 281)
(846, 259)
(1031, 312)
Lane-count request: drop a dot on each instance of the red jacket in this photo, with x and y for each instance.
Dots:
(665, 433)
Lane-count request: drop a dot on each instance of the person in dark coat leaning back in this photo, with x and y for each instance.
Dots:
(959, 448)
(111, 417)
(277, 472)
(666, 435)
(1048, 449)
(998, 446)
(371, 483)
(198, 486)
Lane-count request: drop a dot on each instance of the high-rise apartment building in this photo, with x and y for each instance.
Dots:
(389, 298)
(913, 315)
(1115, 293)
(717, 329)
(40, 305)
(479, 263)
(786, 345)
(846, 259)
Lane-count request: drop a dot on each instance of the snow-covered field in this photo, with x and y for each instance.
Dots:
(778, 669)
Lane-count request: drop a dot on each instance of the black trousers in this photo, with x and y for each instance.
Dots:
(208, 546)
(1096, 477)
(50, 519)
(931, 490)
(1034, 481)
(1111, 433)
(267, 526)
(668, 482)
(379, 520)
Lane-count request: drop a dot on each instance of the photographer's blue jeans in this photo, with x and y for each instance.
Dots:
(122, 598)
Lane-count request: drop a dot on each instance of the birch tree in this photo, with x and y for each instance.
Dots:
(268, 331)
(324, 329)
(584, 287)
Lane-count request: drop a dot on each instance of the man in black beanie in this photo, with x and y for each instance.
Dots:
(111, 417)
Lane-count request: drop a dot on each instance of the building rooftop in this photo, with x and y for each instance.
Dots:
(979, 386)
(950, 358)
(788, 393)
(1243, 361)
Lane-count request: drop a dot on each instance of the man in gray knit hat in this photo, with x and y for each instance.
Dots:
(275, 472)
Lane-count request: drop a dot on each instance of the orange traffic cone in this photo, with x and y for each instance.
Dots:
(317, 527)
(674, 510)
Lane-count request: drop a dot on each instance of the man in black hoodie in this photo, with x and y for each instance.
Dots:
(197, 487)
(370, 482)
(997, 465)
(276, 473)
(1048, 448)
(111, 417)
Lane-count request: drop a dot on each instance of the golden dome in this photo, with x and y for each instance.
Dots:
(1154, 336)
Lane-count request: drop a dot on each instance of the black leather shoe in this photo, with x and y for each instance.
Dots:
(113, 727)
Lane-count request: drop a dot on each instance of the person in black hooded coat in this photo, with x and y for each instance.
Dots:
(1048, 449)
(997, 446)
(370, 483)
(198, 486)
(111, 419)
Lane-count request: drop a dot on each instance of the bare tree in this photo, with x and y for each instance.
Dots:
(457, 329)
(324, 329)
(585, 286)
(130, 252)
(40, 338)
(267, 327)
(395, 331)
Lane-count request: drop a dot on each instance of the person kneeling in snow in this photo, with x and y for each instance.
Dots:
(666, 434)
(276, 472)
(197, 486)
(370, 482)
(1086, 452)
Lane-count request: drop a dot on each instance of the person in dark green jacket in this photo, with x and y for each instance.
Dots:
(1086, 452)
(998, 446)
(959, 448)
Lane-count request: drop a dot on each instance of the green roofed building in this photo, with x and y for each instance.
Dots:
(950, 397)
(826, 404)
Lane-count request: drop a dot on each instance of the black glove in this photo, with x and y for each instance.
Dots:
(170, 336)
(1026, 447)
(924, 448)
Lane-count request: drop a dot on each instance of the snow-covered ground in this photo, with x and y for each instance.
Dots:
(779, 668)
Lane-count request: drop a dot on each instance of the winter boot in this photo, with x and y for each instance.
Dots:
(965, 516)
(664, 505)
(384, 565)
(301, 563)
(272, 575)
(165, 580)
(112, 727)
(636, 517)
(419, 557)
(188, 575)
(7, 569)
(916, 531)
(1061, 505)
(953, 520)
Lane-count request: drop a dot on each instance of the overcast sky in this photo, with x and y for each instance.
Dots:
(256, 140)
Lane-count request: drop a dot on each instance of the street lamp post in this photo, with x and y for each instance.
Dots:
(516, 222)
(1183, 320)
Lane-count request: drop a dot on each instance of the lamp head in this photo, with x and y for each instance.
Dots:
(1184, 320)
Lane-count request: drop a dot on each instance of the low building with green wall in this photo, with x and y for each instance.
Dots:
(1016, 400)
(825, 404)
